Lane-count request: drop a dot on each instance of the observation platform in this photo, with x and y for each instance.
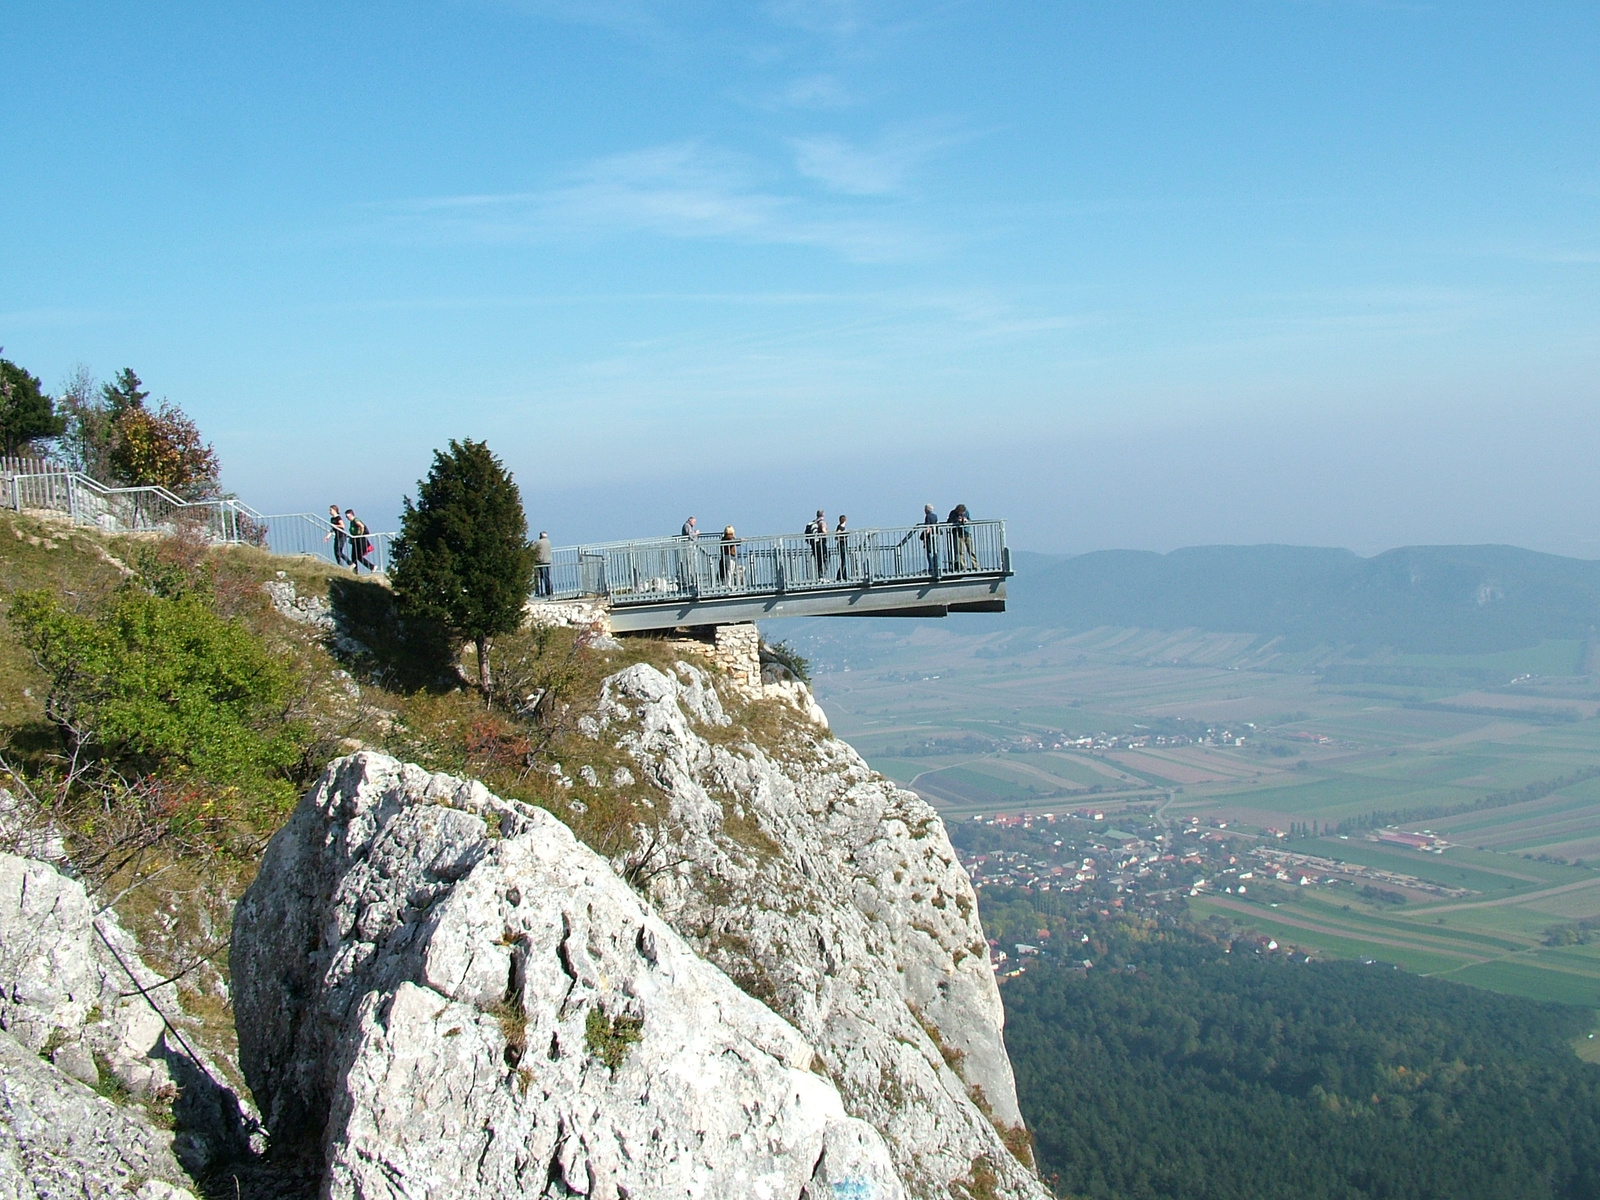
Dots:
(672, 582)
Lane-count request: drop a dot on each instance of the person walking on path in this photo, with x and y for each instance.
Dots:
(543, 555)
(336, 532)
(360, 544)
(841, 542)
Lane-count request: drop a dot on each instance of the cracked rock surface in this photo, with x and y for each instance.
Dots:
(444, 994)
(837, 898)
(73, 1019)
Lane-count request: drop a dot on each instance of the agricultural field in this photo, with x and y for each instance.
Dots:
(1247, 737)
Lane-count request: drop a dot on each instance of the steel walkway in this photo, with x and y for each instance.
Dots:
(664, 583)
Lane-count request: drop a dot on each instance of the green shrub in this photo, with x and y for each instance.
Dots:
(161, 681)
(789, 658)
(608, 1038)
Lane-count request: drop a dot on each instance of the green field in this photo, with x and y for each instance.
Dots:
(1313, 752)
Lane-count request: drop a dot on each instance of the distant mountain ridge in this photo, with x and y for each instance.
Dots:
(1417, 599)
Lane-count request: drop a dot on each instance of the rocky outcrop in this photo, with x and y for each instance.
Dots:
(836, 898)
(57, 1138)
(442, 993)
(80, 1011)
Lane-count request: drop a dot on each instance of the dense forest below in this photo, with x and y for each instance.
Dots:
(1418, 599)
(1182, 1066)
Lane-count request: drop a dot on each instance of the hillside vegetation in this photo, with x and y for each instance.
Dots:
(164, 715)
(1417, 599)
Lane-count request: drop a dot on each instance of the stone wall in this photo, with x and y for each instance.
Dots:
(737, 650)
(590, 616)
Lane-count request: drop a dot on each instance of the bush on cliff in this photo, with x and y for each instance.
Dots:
(157, 680)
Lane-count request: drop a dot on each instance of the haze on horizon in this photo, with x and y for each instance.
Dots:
(1129, 276)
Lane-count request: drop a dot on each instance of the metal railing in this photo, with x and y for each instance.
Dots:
(642, 571)
(86, 501)
(130, 509)
(654, 570)
(308, 534)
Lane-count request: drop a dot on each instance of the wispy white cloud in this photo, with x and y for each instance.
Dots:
(681, 190)
(817, 91)
(857, 170)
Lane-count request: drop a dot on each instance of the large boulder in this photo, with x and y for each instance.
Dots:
(445, 994)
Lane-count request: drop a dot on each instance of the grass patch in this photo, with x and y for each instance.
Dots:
(608, 1038)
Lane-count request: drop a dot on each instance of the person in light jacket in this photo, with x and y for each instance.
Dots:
(543, 555)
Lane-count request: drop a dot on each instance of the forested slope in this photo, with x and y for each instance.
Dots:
(1176, 1069)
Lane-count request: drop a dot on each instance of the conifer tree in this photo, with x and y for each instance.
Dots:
(463, 558)
(26, 411)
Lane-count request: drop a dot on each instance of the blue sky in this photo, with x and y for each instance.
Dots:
(1127, 274)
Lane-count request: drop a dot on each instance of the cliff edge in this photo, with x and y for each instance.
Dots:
(777, 986)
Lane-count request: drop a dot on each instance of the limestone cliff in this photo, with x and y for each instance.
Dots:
(445, 994)
(835, 897)
(442, 992)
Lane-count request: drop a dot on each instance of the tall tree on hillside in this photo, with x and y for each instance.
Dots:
(86, 442)
(463, 558)
(26, 411)
(126, 391)
(117, 437)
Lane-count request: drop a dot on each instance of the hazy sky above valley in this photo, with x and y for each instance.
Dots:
(1126, 274)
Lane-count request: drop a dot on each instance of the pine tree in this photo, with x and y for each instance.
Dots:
(26, 411)
(125, 392)
(463, 558)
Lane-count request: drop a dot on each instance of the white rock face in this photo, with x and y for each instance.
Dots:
(57, 1138)
(452, 997)
(62, 990)
(835, 897)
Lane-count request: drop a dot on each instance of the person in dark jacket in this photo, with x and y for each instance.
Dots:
(961, 535)
(817, 536)
(841, 544)
(336, 532)
(360, 544)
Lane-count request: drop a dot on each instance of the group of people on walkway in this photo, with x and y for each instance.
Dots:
(352, 541)
(964, 556)
(832, 553)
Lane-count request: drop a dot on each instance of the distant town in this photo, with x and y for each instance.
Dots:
(1045, 879)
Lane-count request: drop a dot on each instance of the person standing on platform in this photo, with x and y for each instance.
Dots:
(930, 539)
(841, 544)
(689, 557)
(817, 533)
(543, 555)
(728, 561)
(961, 535)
